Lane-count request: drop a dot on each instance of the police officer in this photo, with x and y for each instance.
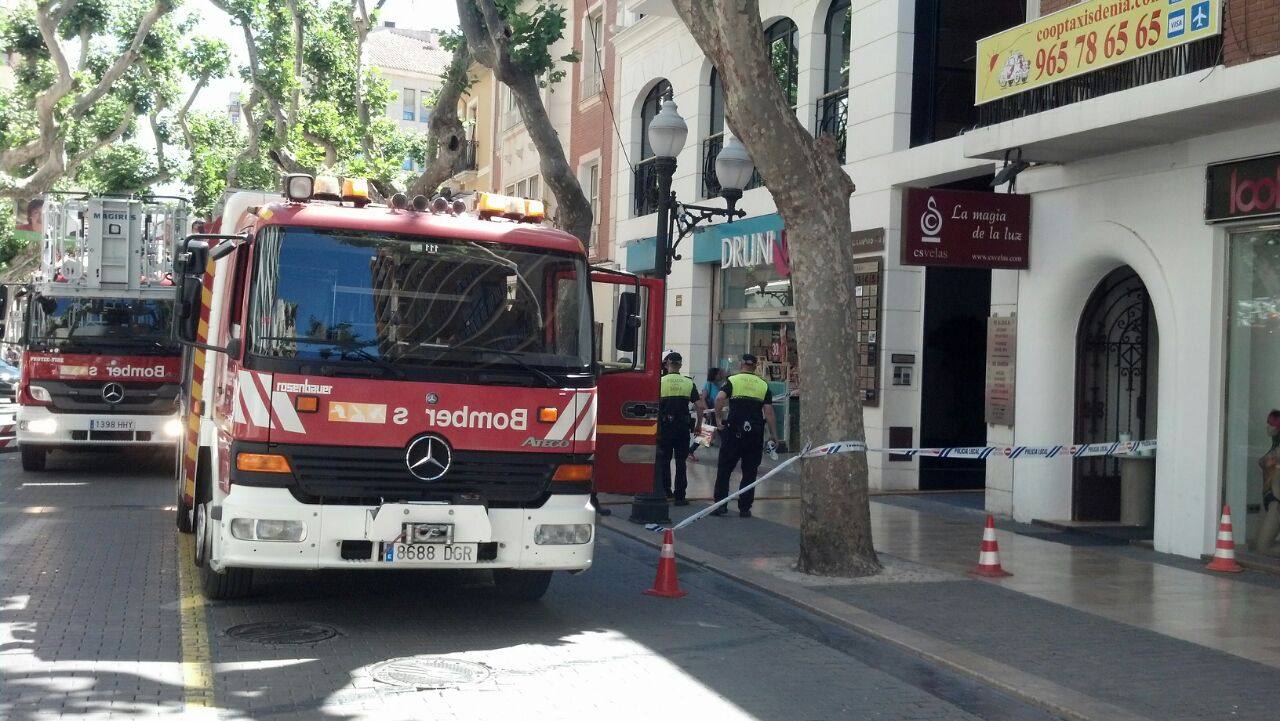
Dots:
(750, 405)
(675, 394)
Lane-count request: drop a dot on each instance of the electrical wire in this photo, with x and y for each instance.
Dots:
(604, 87)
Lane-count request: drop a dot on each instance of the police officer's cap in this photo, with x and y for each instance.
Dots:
(749, 359)
(673, 357)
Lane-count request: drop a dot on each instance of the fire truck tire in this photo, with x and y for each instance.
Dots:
(521, 585)
(185, 514)
(33, 458)
(218, 585)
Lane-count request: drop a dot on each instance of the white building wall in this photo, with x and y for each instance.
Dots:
(1142, 208)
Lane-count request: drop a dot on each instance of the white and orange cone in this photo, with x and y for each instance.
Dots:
(1224, 555)
(665, 584)
(989, 557)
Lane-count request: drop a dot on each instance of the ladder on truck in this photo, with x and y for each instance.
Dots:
(122, 246)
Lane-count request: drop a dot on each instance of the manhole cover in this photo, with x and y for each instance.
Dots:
(282, 632)
(428, 672)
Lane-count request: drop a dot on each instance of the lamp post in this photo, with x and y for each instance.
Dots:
(676, 221)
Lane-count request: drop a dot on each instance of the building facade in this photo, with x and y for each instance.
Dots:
(413, 64)
(1146, 304)
(477, 108)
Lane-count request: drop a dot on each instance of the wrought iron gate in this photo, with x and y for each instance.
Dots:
(1114, 364)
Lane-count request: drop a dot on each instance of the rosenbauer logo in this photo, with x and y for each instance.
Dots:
(305, 386)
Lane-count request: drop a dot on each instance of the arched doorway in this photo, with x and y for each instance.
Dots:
(1117, 347)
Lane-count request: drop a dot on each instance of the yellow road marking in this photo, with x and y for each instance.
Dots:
(197, 669)
(628, 430)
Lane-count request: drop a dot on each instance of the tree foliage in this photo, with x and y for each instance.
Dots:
(86, 75)
(310, 98)
(516, 44)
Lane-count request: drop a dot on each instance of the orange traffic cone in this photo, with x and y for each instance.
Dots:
(1224, 556)
(989, 557)
(665, 584)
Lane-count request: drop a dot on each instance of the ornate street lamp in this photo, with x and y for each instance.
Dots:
(667, 135)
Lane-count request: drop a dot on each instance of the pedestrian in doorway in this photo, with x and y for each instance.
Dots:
(1270, 465)
(710, 390)
(749, 402)
(676, 393)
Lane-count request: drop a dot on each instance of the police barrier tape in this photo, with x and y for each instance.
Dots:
(1079, 450)
(1076, 450)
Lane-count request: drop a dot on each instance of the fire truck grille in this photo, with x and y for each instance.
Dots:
(370, 475)
(86, 397)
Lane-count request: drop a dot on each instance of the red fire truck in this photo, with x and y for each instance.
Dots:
(408, 386)
(99, 369)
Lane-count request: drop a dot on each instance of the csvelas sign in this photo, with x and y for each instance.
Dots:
(1243, 189)
(966, 229)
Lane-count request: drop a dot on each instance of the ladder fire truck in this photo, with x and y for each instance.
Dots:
(99, 366)
(405, 386)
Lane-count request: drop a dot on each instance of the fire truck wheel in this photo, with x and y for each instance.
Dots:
(185, 515)
(521, 585)
(218, 585)
(33, 458)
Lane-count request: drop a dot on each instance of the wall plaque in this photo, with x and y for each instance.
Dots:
(867, 294)
(1002, 344)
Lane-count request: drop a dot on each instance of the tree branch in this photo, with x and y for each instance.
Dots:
(445, 127)
(296, 96)
(489, 35)
(47, 22)
(330, 150)
(122, 63)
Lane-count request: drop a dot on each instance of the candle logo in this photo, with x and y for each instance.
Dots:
(931, 222)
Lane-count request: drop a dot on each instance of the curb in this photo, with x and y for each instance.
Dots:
(1026, 687)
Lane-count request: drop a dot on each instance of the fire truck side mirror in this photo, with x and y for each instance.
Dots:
(188, 307)
(627, 324)
(193, 258)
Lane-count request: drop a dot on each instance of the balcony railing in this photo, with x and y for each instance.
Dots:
(710, 184)
(470, 150)
(833, 117)
(1180, 60)
(645, 188)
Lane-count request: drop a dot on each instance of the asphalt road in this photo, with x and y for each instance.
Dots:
(99, 619)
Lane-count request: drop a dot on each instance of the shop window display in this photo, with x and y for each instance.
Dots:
(1252, 459)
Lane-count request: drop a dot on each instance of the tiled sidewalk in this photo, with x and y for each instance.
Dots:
(1149, 634)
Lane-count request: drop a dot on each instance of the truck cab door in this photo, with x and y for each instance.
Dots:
(627, 389)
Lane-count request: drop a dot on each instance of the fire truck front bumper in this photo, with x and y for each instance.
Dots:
(268, 528)
(37, 426)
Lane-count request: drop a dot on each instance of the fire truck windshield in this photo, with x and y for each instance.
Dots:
(65, 323)
(415, 301)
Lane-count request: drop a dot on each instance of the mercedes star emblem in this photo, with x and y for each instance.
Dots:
(428, 458)
(113, 393)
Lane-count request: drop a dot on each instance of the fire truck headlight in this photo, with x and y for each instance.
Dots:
(40, 393)
(173, 428)
(562, 534)
(260, 529)
(43, 426)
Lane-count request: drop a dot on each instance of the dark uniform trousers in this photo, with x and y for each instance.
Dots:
(675, 447)
(735, 447)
